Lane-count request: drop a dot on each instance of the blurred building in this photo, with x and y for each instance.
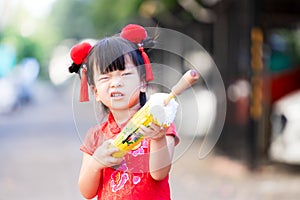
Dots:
(255, 45)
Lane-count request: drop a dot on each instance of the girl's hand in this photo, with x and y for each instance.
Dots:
(103, 155)
(154, 132)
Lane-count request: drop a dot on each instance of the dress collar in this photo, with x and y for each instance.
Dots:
(113, 127)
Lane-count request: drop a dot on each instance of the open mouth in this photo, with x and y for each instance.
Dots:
(116, 94)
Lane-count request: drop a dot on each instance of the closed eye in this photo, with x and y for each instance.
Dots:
(103, 78)
(126, 73)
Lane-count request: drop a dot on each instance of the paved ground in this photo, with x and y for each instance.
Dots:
(40, 159)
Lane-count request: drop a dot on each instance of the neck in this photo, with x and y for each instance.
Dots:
(122, 116)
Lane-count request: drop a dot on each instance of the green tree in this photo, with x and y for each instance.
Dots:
(92, 18)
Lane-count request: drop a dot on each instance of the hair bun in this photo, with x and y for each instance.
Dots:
(79, 52)
(134, 33)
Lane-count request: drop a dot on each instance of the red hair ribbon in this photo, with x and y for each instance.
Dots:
(78, 54)
(136, 34)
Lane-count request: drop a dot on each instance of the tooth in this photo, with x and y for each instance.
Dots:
(116, 95)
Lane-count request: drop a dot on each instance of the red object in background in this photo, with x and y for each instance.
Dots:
(284, 83)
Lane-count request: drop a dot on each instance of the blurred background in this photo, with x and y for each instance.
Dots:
(255, 45)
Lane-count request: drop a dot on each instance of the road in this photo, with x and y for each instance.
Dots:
(40, 159)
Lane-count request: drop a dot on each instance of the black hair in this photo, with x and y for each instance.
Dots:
(74, 68)
(108, 55)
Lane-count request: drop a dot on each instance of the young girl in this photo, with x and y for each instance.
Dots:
(117, 69)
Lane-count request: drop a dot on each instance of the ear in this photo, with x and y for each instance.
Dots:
(143, 86)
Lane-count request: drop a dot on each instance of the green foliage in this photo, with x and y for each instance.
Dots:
(70, 19)
(107, 16)
(93, 18)
(24, 47)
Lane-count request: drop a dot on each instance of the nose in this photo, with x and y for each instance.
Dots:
(116, 82)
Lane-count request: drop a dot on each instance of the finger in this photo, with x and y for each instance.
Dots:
(108, 142)
(144, 130)
(152, 127)
(112, 150)
(156, 127)
(115, 161)
(158, 136)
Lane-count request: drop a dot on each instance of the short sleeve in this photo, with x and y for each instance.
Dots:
(171, 131)
(92, 140)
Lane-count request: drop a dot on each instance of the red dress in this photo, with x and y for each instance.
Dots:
(131, 180)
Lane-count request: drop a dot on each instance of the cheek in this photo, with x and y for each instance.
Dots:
(134, 97)
(99, 93)
(134, 87)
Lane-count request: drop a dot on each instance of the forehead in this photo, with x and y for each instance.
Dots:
(121, 66)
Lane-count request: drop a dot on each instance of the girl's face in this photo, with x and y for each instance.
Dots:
(118, 90)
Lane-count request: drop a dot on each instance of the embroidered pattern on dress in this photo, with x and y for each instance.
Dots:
(119, 180)
(119, 177)
(136, 179)
(140, 151)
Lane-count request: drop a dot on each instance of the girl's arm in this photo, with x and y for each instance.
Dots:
(161, 151)
(161, 156)
(89, 177)
(90, 173)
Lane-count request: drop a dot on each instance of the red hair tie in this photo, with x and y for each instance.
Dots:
(78, 54)
(136, 34)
